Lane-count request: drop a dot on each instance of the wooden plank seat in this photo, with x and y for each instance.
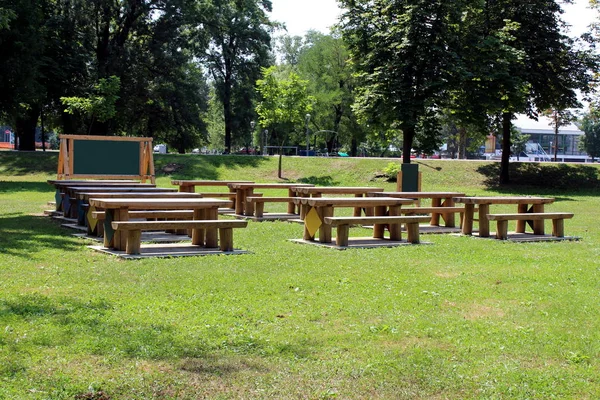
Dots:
(557, 218)
(134, 231)
(257, 203)
(151, 214)
(342, 224)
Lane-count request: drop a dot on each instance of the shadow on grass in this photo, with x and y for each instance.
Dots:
(319, 180)
(25, 163)
(188, 166)
(100, 328)
(22, 236)
(545, 177)
(12, 187)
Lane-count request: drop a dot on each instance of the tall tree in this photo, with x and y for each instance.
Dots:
(535, 65)
(404, 52)
(325, 63)
(283, 106)
(590, 125)
(240, 43)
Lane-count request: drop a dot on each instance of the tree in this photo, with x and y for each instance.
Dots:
(283, 106)
(558, 118)
(324, 63)
(404, 52)
(533, 66)
(590, 125)
(240, 42)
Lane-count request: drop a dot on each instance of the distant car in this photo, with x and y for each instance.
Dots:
(160, 148)
(196, 151)
(249, 151)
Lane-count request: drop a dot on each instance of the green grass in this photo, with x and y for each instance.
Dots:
(460, 318)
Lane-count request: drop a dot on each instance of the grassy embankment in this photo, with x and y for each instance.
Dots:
(461, 318)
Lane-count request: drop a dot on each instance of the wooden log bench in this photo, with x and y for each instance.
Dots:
(557, 218)
(342, 224)
(134, 231)
(257, 203)
(148, 215)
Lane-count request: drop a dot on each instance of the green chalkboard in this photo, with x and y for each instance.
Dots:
(105, 157)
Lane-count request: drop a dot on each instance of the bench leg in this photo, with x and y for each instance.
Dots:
(558, 227)
(134, 242)
(412, 233)
(226, 239)
(341, 235)
(259, 210)
(502, 230)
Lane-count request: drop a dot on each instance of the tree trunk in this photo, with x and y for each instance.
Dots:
(462, 143)
(506, 125)
(408, 134)
(25, 129)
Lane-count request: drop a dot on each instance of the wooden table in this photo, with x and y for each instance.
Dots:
(71, 194)
(190, 185)
(524, 204)
(319, 191)
(243, 190)
(84, 198)
(118, 210)
(62, 185)
(325, 206)
(438, 199)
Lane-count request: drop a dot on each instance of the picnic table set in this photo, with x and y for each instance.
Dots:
(125, 213)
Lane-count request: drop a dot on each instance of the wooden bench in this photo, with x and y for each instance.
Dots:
(557, 218)
(134, 231)
(257, 203)
(343, 226)
(151, 214)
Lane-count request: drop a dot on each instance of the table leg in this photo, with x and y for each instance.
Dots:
(378, 229)
(325, 229)
(306, 235)
(211, 233)
(521, 209)
(240, 199)
(187, 188)
(248, 207)
(357, 210)
(467, 223)
(538, 225)
(233, 199)
(395, 229)
(303, 207)
(198, 234)
(435, 216)
(449, 219)
(291, 207)
(484, 223)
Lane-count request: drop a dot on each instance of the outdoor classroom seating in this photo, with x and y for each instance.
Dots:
(442, 208)
(558, 227)
(525, 204)
(134, 230)
(243, 208)
(393, 222)
(319, 191)
(320, 218)
(117, 210)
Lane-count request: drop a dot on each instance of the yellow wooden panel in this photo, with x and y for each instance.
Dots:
(312, 221)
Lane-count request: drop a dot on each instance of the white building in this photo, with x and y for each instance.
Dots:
(540, 146)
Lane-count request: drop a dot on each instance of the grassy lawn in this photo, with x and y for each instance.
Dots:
(460, 318)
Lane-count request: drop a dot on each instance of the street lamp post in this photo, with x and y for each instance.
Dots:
(266, 132)
(252, 125)
(307, 120)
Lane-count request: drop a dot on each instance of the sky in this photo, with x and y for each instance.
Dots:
(300, 16)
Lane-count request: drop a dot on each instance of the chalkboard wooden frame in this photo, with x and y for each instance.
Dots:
(105, 157)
